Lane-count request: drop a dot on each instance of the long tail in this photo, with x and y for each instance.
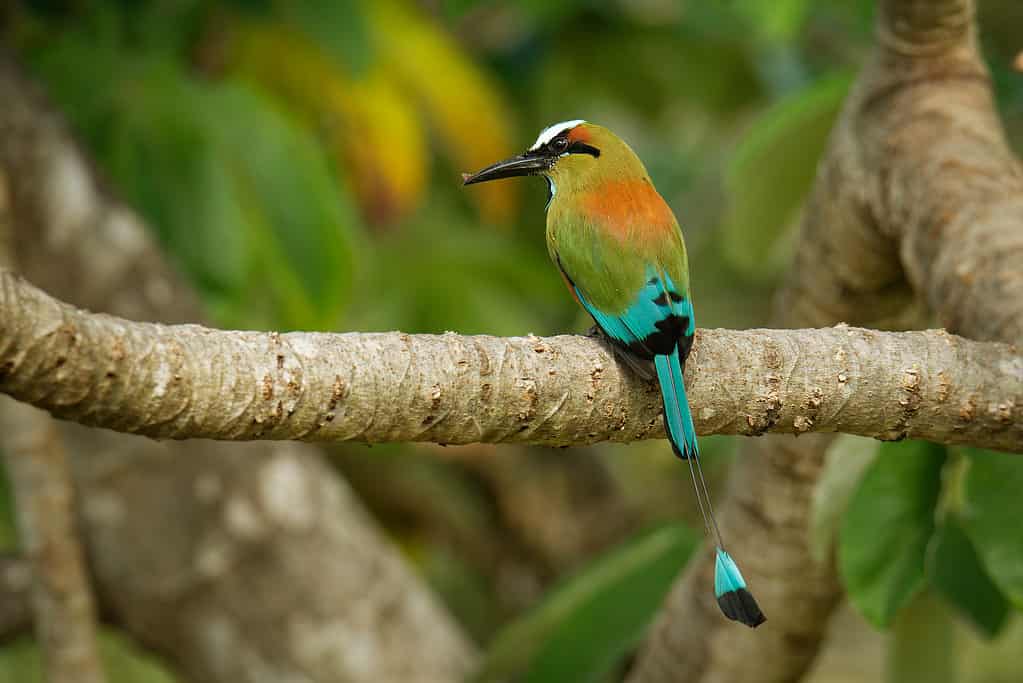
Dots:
(729, 587)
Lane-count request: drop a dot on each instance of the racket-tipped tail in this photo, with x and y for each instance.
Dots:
(734, 598)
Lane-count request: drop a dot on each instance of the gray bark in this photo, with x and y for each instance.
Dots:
(187, 381)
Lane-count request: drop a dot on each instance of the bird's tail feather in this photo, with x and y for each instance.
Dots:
(678, 420)
(734, 599)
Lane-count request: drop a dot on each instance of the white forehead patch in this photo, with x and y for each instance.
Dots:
(551, 132)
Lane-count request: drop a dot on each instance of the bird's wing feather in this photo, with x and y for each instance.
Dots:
(656, 320)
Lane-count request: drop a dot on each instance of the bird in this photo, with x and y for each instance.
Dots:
(620, 251)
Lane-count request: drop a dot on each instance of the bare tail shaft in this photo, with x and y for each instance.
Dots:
(733, 597)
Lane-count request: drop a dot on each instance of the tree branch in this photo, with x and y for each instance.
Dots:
(187, 381)
(947, 188)
(921, 191)
(62, 601)
(924, 28)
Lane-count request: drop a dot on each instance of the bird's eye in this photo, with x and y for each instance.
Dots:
(559, 145)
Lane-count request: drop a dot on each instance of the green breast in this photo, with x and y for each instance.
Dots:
(608, 264)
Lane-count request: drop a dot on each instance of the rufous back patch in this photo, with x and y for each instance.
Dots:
(630, 209)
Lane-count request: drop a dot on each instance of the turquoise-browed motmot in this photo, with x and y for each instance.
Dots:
(620, 251)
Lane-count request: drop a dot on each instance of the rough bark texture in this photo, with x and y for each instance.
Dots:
(90, 249)
(187, 381)
(918, 195)
(63, 605)
(923, 188)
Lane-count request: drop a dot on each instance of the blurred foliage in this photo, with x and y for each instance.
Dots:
(584, 628)
(887, 526)
(846, 461)
(123, 661)
(921, 516)
(957, 574)
(769, 176)
(300, 162)
(8, 536)
(990, 514)
(923, 643)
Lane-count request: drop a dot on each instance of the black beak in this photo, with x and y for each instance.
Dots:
(530, 163)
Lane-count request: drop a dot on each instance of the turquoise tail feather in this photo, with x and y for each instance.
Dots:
(678, 420)
(643, 328)
(734, 599)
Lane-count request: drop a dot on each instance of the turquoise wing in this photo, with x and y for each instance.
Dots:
(658, 319)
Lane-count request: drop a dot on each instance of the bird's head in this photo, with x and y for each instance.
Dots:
(572, 155)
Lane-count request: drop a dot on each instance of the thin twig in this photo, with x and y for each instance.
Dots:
(62, 600)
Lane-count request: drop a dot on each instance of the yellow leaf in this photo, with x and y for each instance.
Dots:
(369, 124)
(464, 104)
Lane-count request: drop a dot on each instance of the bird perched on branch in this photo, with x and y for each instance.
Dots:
(620, 251)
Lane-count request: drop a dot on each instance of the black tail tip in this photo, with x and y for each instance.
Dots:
(739, 605)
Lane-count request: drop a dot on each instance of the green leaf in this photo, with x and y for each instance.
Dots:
(300, 226)
(243, 197)
(846, 461)
(81, 70)
(123, 661)
(954, 569)
(20, 661)
(456, 9)
(887, 527)
(459, 278)
(585, 627)
(8, 532)
(922, 646)
(777, 21)
(126, 662)
(161, 158)
(337, 26)
(991, 514)
(772, 172)
(702, 77)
